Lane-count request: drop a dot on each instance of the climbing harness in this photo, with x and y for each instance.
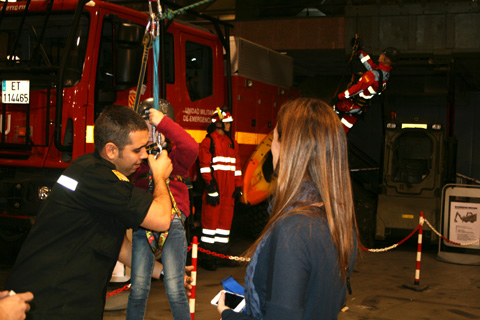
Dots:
(156, 240)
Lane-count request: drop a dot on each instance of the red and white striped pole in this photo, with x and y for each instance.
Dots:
(416, 284)
(194, 276)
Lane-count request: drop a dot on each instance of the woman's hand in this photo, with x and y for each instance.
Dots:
(155, 116)
(221, 303)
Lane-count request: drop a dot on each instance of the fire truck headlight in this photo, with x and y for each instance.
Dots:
(391, 125)
(436, 126)
(43, 192)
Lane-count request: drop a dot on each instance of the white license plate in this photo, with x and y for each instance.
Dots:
(16, 91)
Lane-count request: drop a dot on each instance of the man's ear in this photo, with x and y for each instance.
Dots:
(111, 151)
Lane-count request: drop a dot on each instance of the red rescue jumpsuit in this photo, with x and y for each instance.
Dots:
(348, 105)
(224, 166)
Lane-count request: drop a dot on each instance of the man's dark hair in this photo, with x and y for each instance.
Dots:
(392, 53)
(114, 124)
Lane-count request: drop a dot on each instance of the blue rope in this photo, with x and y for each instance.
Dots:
(156, 85)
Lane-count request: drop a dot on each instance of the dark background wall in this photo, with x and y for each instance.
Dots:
(437, 77)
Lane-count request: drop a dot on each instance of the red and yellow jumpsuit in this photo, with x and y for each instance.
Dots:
(224, 167)
(353, 101)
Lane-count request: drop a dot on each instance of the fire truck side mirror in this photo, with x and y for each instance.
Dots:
(128, 55)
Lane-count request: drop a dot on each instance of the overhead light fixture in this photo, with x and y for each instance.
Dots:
(311, 12)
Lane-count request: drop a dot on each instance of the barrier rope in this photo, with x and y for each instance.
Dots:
(468, 178)
(116, 291)
(448, 240)
(243, 259)
(220, 255)
(170, 14)
(394, 245)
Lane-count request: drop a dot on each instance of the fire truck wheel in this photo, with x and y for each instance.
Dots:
(257, 218)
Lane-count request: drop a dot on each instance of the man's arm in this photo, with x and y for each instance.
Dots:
(158, 217)
(186, 148)
(238, 168)
(366, 60)
(204, 159)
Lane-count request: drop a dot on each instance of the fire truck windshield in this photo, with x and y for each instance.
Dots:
(39, 45)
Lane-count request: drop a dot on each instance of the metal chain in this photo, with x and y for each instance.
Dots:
(220, 255)
(395, 245)
(456, 243)
(116, 291)
(243, 259)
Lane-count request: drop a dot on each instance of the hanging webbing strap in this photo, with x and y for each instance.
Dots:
(147, 42)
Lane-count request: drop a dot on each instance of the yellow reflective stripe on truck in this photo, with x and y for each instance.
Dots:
(198, 135)
(241, 137)
(89, 134)
(249, 138)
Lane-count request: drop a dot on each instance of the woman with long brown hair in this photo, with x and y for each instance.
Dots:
(300, 264)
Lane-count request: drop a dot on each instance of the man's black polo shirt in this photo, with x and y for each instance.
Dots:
(68, 257)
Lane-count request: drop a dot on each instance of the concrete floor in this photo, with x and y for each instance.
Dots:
(451, 291)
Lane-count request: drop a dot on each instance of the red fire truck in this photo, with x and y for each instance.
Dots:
(62, 62)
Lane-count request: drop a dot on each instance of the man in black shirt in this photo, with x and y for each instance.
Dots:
(68, 258)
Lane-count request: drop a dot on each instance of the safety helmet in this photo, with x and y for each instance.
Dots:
(391, 53)
(225, 116)
(163, 105)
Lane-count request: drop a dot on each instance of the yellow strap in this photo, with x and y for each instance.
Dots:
(175, 210)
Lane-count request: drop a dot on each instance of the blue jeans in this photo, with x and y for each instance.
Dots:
(174, 256)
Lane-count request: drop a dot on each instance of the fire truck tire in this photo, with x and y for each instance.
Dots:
(257, 218)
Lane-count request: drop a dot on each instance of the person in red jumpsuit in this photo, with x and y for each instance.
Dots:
(353, 102)
(220, 169)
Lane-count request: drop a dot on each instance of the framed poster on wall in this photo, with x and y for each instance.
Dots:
(460, 224)
(464, 223)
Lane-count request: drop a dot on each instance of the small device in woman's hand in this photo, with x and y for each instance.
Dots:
(232, 300)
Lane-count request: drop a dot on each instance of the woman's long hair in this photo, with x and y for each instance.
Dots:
(313, 147)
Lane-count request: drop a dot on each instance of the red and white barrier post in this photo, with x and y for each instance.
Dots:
(194, 276)
(416, 284)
